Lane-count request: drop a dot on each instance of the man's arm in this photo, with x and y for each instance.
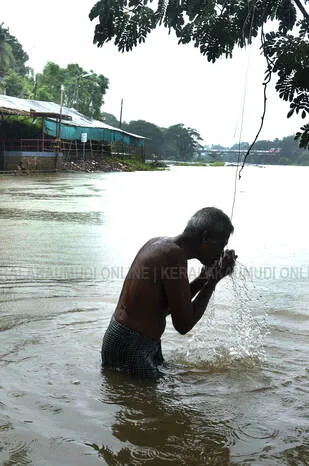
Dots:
(186, 313)
(201, 301)
(221, 269)
(197, 284)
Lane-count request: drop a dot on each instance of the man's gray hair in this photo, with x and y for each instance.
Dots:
(211, 220)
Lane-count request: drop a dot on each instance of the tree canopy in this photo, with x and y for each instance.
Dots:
(181, 143)
(176, 142)
(216, 28)
(12, 54)
(13, 70)
(110, 119)
(83, 90)
(283, 151)
(154, 143)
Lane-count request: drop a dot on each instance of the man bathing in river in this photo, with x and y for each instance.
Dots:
(157, 285)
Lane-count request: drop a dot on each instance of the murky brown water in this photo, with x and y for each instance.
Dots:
(237, 388)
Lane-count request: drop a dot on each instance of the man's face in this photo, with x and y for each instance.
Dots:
(212, 249)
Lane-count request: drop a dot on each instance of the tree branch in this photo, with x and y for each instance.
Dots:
(302, 9)
(267, 79)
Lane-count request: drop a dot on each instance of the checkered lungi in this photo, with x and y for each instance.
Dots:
(128, 351)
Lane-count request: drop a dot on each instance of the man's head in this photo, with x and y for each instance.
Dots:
(209, 229)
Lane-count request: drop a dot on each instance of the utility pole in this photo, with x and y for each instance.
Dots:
(120, 119)
(58, 132)
(60, 113)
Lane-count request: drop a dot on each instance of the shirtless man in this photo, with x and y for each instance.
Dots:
(157, 285)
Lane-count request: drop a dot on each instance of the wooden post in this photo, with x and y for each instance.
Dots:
(120, 119)
(2, 144)
(69, 152)
(43, 135)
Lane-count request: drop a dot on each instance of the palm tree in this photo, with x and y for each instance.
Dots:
(7, 59)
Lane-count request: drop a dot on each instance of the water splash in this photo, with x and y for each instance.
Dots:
(249, 313)
(233, 327)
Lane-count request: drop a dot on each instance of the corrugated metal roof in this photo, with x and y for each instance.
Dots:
(16, 106)
(51, 110)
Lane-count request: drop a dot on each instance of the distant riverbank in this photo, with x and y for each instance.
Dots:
(218, 163)
(114, 164)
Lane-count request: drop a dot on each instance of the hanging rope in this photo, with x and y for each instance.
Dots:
(243, 100)
(240, 134)
(268, 75)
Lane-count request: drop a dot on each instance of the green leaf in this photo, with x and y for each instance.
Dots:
(290, 113)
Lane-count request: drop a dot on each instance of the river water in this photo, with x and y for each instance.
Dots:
(236, 389)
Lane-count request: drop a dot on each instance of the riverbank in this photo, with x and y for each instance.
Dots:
(217, 163)
(112, 164)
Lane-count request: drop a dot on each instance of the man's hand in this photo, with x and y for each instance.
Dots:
(222, 267)
(226, 263)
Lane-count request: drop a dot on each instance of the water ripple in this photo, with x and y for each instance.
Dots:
(92, 218)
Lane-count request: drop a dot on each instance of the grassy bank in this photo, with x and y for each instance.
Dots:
(200, 164)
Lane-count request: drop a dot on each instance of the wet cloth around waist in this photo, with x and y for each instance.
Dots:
(126, 350)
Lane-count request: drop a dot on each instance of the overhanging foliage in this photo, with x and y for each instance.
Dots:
(216, 27)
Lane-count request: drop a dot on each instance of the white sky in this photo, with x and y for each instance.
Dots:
(160, 81)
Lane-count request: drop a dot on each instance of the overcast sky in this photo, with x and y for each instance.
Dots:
(160, 81)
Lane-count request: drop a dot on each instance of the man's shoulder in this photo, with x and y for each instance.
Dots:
(166, 246)
(162, 242)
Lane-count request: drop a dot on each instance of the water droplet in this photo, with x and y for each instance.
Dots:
(75, 382)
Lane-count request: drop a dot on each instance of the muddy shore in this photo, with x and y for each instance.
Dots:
(93, 165)
(110, 165)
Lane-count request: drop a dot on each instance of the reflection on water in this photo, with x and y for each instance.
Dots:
(235, 390)
(18, 453)
(158, 428)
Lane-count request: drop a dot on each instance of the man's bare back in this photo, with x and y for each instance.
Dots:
(143, 304)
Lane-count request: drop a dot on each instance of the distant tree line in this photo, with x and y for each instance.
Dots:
(183, 144)
(85, 90)
(278, 152)
(176, 142)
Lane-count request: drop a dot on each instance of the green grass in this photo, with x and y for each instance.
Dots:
(191, 164)
(200, 164)
(136, 164)
(218, 163)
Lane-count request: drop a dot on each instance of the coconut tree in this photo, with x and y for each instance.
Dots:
(7, 59)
